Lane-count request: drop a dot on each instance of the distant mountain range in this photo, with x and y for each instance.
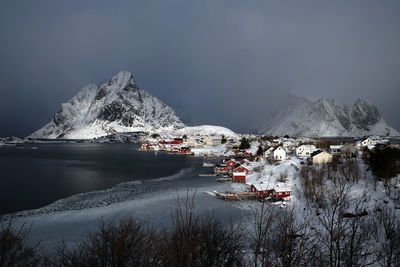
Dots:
(327, 117)
(119, 106)
(114, 107)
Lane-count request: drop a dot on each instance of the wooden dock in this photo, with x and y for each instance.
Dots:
(223, 179)
(235, 195)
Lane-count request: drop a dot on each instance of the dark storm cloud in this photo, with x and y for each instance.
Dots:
(225, 62)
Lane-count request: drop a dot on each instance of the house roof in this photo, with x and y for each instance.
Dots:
(282, 189)
(271, 148)
(302, 147)
(316, 152)
(367, 139)
(263, 187)
(278, 148)
(336, 146)
(238, 166)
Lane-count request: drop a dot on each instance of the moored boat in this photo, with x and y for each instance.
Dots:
(208, 165)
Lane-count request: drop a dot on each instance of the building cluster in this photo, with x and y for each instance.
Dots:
(238, 165)
(175, 145)
(185, 145)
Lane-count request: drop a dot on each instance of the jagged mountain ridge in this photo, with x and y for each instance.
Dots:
(117, 106)
(327, 117)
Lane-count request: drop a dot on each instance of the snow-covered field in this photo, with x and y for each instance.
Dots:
(50, 225)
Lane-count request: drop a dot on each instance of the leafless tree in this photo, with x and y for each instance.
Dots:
(14, 250)
(263, 218)
(292, 244)
(125, 243)
(388, 238)
(349, 170)
(313, 184)
(343, 236)
(200, 240)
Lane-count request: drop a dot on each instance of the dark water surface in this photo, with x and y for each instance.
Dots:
(36, 175)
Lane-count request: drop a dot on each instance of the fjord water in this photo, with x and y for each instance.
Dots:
(36, 175)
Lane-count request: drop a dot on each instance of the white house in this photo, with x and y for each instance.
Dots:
(267, 152)
(366, 142)
(213, 141)
(278, 153)
(192, 143)
(304, 151)
(335, 149)
(321, 157)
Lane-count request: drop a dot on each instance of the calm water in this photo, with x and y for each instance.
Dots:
(36, 175)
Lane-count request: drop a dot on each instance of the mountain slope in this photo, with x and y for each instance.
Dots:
(116, 106)
(327, 117)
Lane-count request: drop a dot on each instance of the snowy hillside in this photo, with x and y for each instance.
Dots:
(205, 130)
(327, 117)
(114, 107)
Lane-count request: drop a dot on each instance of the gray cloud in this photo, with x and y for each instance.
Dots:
(226, 62)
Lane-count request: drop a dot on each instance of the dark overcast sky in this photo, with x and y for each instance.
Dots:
(216, 62)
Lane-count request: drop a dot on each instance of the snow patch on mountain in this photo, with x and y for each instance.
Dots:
(205, 130)
(115, 107)
(327, 117)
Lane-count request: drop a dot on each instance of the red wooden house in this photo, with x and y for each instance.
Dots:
(262, 190)
(239, 173)
(176, 141)
(239, 177)
(230, 163)
(281, 192)
(185, 150)
(143, 147)
(246, 155)
(147, 146)
(222, 169)
(241, 169)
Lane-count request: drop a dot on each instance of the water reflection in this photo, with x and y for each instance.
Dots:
(32, 178)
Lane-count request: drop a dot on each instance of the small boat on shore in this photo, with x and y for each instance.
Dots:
(208, 165)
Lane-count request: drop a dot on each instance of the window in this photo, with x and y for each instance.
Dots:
(279, 194)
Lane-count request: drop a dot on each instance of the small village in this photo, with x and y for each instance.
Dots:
(264, 167)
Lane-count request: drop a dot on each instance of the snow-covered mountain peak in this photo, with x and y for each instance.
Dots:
(122, 79)
(297, 99)
(364, 114)
(328, 117)
(113, 107)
